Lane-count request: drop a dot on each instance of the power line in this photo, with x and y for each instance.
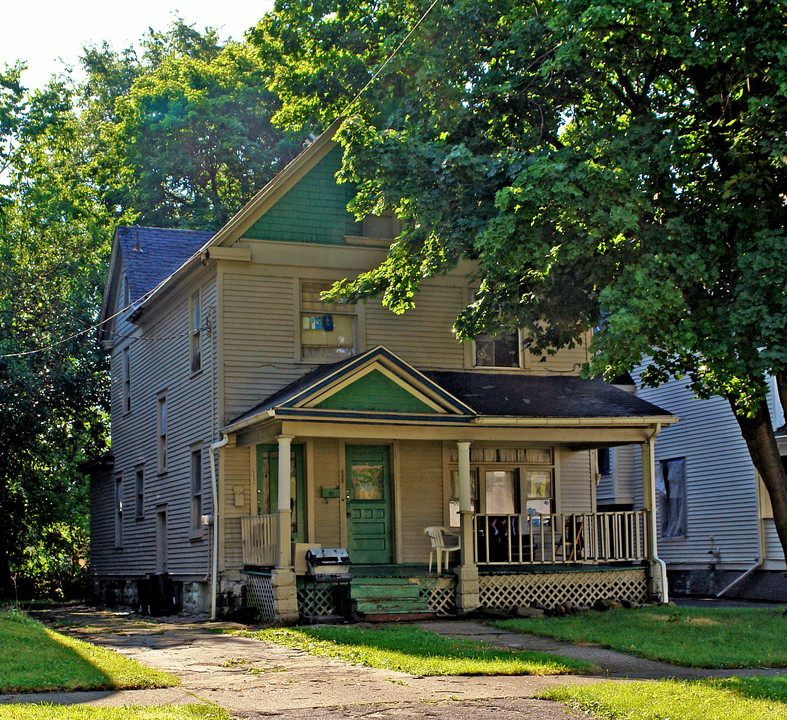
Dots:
(389, 58)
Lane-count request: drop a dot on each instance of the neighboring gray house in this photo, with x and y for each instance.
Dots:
(714, 516)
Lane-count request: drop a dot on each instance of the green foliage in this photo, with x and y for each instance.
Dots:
(694, 637)
(615, 161)
(405, 648)
(35, 659)
(127, 712)
(666, 699)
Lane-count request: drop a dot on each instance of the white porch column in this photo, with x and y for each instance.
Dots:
(467, 573)
(658, 570)
(285, 598)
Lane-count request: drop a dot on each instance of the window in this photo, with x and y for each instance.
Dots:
(126, 292)
(498, 351)
(604, 461)
(118, 511)
(328, 330)
(139, 492)
(671, 497)
(506, 481)
(126, 371)
(381, 226)
(195, 320)
(196, 492)
(162, 433)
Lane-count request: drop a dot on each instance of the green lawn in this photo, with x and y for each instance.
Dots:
(77, 712)
(693, 637)
(733, 699)
(34, 658)
(412, 650)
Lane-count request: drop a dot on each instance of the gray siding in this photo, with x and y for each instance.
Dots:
(720, 480)
(160, 362)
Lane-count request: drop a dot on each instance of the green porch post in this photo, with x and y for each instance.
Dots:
(467, 572)
(285, 598)
(657, 570)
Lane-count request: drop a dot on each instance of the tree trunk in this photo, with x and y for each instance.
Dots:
(757, 431)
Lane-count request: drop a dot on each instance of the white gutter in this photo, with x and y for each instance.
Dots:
(215, 495)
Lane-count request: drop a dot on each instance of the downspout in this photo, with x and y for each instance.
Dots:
(215, 551)
(652, 471)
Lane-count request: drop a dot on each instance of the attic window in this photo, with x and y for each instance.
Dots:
(328, 330)
(381, 226)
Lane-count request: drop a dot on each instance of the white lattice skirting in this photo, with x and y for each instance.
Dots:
(259, 594)
(439, 594)
(504, 592)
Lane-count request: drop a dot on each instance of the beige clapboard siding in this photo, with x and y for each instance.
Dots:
(566, 361)
(421, 496)
(773, 548)
(237, 503)
(422, 336)
(575, 482)
(720, 478)
(259, 339)
(163, 363)
(327, 525)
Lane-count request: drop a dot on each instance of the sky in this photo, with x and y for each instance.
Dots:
(41, 32)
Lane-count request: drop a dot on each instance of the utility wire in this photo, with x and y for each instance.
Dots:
(155, 289)
(389, 58)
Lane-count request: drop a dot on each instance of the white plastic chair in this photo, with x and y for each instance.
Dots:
(444, 542)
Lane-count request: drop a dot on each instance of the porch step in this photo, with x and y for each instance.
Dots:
(388, 596)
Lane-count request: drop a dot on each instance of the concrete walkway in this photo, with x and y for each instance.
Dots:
(253, 679)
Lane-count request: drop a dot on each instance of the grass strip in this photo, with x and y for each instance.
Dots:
(405, 648)
(666, 700)
(36, 659)
(126, 712)
(692, 637)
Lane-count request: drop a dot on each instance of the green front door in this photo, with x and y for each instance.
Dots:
(268, 486)
(369, 504)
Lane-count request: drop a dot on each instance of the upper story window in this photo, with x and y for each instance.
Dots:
(498, 351)
(328, 330)
(161, 415)
(195, 322)
(139, 492)
(126, 292)
(126, 371)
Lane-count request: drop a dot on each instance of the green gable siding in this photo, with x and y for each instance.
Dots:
(375, 392)
(313, 211)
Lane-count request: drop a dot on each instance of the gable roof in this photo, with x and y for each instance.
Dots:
(322, 392)
(469, 396)
(150, 255)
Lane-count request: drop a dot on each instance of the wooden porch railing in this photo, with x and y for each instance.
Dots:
(583, 538)
(260, 537)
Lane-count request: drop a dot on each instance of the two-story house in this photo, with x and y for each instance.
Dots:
(251, 419)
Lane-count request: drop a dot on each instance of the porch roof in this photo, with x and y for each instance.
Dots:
(468, 396)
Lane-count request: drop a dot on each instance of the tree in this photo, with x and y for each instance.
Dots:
(184, 130)
(615, 161)
(52, 401)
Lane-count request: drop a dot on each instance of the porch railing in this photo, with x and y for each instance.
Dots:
(260, 539)
(583, 538)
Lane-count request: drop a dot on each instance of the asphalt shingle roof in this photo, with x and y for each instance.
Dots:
(504, 395)
(152, 254)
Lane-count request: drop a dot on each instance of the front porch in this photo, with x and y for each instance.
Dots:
(554, 559)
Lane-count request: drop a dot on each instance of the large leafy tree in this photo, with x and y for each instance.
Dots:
(615, 161)
(52, 400)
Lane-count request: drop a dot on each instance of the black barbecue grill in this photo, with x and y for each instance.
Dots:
(328, 565)
(327, 571)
